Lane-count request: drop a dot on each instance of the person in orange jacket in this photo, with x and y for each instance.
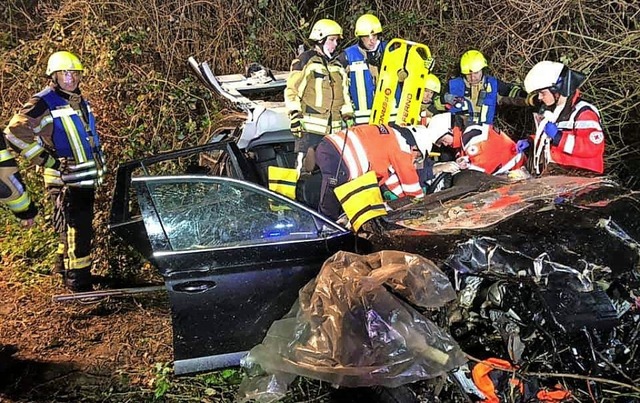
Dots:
(568, 132)
(397, 155)
(489, 150)
(480, 147)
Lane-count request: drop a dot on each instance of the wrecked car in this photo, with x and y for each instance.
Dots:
(545, 270)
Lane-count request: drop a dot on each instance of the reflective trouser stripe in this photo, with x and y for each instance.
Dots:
(73, 215)
(361, 199)
(283, 181)
(5, 155)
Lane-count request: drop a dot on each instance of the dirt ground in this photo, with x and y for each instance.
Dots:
(103, 351)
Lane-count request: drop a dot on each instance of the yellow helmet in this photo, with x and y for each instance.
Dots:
(432, 83)
(472, 61)
(63, 60)
(368, 24)
(324, 28)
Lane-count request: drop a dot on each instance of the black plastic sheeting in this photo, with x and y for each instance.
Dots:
(553, 290)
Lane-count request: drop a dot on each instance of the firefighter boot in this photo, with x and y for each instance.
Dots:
(79, 280)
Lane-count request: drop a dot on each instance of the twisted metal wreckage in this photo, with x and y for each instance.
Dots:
(493, 291)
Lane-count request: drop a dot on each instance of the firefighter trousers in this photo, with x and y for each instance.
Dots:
(72, 220)
(334, 174)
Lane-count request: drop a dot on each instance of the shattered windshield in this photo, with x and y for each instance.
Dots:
(198, 214)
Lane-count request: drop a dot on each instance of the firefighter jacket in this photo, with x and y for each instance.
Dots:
(489, 150)
(481, 100)
(13, 192)
(56, 130)
(427, 110)
(381, 149)
(363, 68)
(319, 88)
(581, 140)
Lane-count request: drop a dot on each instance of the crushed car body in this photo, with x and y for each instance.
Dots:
(545, 270)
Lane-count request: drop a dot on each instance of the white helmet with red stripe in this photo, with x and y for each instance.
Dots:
(473, 135)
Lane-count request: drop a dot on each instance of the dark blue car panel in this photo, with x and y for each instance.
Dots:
(233, 256)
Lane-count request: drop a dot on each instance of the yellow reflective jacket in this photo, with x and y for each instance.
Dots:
(319, 88)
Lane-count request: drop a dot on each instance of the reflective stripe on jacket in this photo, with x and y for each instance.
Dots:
(362, 84)
(13, 193)
(489, 150)
(74, 142)
(319, 88)
(485, 106)
(383, 150)
(582, 141)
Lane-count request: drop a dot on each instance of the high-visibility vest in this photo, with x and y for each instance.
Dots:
(485, 109)
(73, 141)
(283, 180)
(490, 151)
(378, 148)
(362, 84)
(582, 142)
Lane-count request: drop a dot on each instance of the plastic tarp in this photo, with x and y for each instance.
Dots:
(349, 329)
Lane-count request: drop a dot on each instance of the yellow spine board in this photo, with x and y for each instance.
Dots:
(403, 62)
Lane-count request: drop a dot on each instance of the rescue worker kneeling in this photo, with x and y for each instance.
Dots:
(396, 155)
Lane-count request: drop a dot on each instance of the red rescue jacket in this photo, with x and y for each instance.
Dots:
(582, 141)
(489, 150)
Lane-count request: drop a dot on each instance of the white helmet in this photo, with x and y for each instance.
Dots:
(419, 133)
(439, 125)
(427, 136)
(545, 74)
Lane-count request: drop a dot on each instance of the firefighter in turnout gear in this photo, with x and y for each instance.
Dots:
(56, 130)
(431, 101)
(397, 155)
(569, 132)
(317, 92)
(476, 95)
(363, 61)
(13, 192)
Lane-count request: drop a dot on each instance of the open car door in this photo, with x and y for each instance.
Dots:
(233, 256)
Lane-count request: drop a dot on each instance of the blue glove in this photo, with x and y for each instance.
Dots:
(551, 130)
(522, 145)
